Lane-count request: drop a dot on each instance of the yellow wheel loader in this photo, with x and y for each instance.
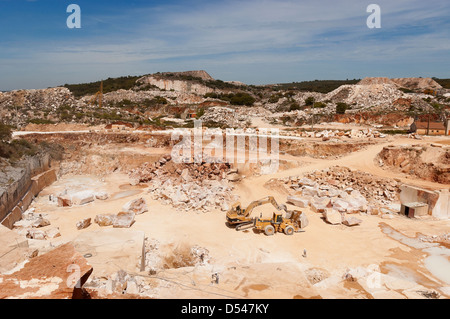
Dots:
(241, 217)
(294, 221)
(288, 225)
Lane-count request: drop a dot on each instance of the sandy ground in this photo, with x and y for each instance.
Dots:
(252, 265)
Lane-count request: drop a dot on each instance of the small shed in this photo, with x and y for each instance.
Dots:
(429, 128)
(415, 209)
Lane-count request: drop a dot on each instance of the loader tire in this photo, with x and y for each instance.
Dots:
(289, 230)
(269, 230)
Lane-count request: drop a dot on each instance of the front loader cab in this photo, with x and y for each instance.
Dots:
(277, 218)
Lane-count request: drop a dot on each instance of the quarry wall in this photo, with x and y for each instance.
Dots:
(34, 175)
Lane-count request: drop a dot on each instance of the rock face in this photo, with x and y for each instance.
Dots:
(137, 206)
(58, 274)
(426, 162)
(227, 116)
(175, 85)
(31, 220)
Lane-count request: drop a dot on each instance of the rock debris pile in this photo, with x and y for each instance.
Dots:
(31, 226)
(326, 135)
(226, 116)
(159, 256)
(201, 187)
(338, 191)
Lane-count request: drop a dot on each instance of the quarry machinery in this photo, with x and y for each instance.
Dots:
(241, 217)
(289, 225)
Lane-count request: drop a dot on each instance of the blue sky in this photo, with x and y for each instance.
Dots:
(253, 41)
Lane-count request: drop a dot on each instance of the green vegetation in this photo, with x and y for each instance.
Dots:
(445, 83)
(109, 85)
(319, 105)
(395, 132)
(274, 98)
(242, 99)
(200, 112)
(341, 108)
(147, 103)
(295, 107)
(405, 90)
(5, 132)
(16, 149)
(309, 101)
(239, 98)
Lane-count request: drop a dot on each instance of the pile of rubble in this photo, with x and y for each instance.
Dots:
(226, 116)
(18, 107)
(378, 191)
(326, 135)
(338, 191)
(119, 284)
(125, 218)
(159, 257)
(30, 225)
(366, 96)
(37, 99)
(200, 187)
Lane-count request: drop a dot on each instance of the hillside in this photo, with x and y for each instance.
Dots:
(152, 99)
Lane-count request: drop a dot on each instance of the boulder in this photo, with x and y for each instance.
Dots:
(306, 182)
(234, 177)
(82, 198)
(137, 206)
(351, 221)
(104, 220)
(85, 223)
(32, 220)
(332, 216)
(36, 234)
(53, 233)
(64, 201)
(185, 175)
(319, 204)
(102, 196)
(340, 205)
(132, 288)
(309, 191)
(298, 201)
(124, 220)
